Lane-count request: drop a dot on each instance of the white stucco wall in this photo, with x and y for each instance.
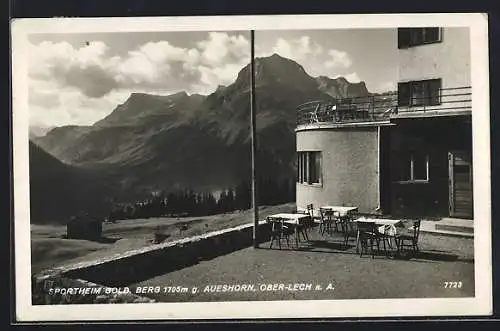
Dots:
(448, 59)
(350, 174)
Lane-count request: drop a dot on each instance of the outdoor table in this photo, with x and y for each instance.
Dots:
(290, 218)
(315, 212)
(341, 210)
(301, 210)
(382, 223)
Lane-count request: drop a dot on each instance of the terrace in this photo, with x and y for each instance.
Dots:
(384, 107)
(225, 257)
(322, 261)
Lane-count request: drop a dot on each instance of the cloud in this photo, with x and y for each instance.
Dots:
(351, 77)
(81, 84)
(299, 49)
(316, 59)
(221, 48)
(338, 59)
(158, 66)
(43, 99)
(72, 107)
(74, 77)
(386, 87)
(86, 68)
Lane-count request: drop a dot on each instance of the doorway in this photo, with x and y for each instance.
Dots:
(460, 184)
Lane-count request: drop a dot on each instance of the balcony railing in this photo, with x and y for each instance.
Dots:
(382, 107)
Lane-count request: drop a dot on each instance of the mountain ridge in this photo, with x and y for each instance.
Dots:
(153, 142)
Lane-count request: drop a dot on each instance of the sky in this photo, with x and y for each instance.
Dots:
(77, 79)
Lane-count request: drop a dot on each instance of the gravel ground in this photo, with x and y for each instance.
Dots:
(322, 262)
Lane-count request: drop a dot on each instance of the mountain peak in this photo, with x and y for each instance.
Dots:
(180, 94)
(276, 68)
(137, 95)
(340, 87)
(276, 55)
(275, 58)
(339, 79)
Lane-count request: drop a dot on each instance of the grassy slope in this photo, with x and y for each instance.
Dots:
(48, 249)
(58, 190)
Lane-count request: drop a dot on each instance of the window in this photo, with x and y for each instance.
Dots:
(412, 167)
(410, 37)
(420, 93)
(309, 167)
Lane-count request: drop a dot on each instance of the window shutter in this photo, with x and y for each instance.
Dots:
(403, 38)
(312, 167)
(403, 94)
(416, 36)
(306, 167)
(431, 34)
(418, 93)
(434, 92)
(298, 167)
(318, 167)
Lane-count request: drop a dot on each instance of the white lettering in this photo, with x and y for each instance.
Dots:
(148, 289)
(285, 287)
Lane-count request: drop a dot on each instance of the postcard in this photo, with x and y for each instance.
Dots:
(251, 167)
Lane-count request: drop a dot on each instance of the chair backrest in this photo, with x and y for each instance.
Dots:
(366, 226)
(387, 229)
(326, 214)
(277, 224)
(416, 229)
(310, 210)
(344, 218)
(347, 225)
(323, 213)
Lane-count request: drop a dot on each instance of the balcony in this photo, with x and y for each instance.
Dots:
(384, 107)
(445, 102)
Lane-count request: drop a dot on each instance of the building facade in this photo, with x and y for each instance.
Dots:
(406, 153)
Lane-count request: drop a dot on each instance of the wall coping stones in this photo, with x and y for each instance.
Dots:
(102, 297)
(57, 271)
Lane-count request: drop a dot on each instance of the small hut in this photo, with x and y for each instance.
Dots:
(84, 227)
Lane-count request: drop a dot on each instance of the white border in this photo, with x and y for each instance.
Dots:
(480, 305)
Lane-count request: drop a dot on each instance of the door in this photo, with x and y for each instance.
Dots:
(460, 184)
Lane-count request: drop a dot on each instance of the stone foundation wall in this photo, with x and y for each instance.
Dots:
(142, 264)
(45, 293)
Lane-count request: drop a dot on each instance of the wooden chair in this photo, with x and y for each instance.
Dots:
(307, 225)
(367, 234)
(409, 240)
(336, 220)
(310, 212)
(385, 237)
(302, 228)
(348, 228)
(326, 221)
(279, 231)
(298, 230)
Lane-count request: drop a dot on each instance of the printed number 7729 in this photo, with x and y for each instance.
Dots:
(452, 284)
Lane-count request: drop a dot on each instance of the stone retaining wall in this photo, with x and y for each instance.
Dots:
(45, 293)
(145, 263)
